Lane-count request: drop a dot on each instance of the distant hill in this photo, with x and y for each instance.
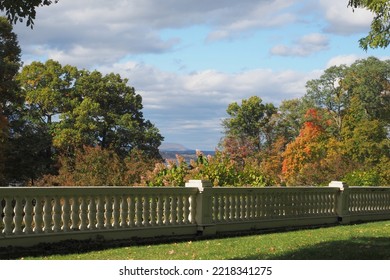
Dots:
(169, 151)
(169, 147)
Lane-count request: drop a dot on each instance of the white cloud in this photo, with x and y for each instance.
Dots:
(113, 29)
(342, 59)
(343, 20)
(304, 46)
(193, 105)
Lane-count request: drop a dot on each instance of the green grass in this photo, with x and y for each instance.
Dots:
(362, 241)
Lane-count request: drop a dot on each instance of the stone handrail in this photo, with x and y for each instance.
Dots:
(32, 215)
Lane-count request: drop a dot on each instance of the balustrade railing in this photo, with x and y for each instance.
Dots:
(85, 212)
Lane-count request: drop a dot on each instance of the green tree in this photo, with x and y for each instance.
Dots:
(106, 112)
(251, 122)
(47, 89)
(290, 118)
(327, 93)
(379, 35)
(9, 67)
(369, 80)
(9, 62)
(18, 10)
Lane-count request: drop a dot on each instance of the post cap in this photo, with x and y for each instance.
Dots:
(200, 184)
(338, 184)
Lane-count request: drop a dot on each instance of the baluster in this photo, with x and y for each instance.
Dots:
(66, 214)
(320, 207)
(38, 217)
(173, 220)
(92, 211)
(83, 214)
(221, 209)
(260, 204)
(234, 208)
(100, 212)
(47, 215)
(270, 205)
(153, 210)
(57, 214)
(166, 210)
(306, 200)
(8, 211)
(282, 205)
(186, 210)
(242, 207)
(116, 212)
(227, 209)
(124, 211)
(108, 212)
(327, 202)
(238, 207)
(28, 216)
(180, 209)
(245, 209)
(75, 213)
(192, 208)
(138, 211)
(252, 205)
(18, 218)
(215, 207)
(132, 211)
(145, 211)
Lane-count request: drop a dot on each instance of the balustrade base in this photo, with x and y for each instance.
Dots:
(108, 235)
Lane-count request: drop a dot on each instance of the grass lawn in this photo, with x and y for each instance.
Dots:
(361, 242)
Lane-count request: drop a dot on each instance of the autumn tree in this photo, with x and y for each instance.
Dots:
(355, 101)
(307, 148)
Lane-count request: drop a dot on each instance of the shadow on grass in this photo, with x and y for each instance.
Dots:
(354, 249)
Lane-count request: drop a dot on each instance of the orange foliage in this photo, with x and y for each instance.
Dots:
(305, 149)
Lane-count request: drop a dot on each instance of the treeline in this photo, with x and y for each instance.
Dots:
(64, 126)
(339, 130)
(60, 125)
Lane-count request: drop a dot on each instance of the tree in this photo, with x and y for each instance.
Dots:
(9, 67)
(9, 62)
(72, 114)
(379, 35)
(18, 10)
(47, 91)
(307, 148)
(369, 80)
(290, 118)
(327, 93)
(104, 111)
(250, 122)
(48, 88)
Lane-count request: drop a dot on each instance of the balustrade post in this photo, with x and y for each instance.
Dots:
(204, 211)
(342, 201)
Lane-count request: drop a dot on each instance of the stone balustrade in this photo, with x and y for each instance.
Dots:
(32, 215)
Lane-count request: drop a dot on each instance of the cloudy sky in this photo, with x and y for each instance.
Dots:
(189, 59)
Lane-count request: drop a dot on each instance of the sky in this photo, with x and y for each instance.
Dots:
(189, 59)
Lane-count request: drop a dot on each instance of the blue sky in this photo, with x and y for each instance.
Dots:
(190, 59)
